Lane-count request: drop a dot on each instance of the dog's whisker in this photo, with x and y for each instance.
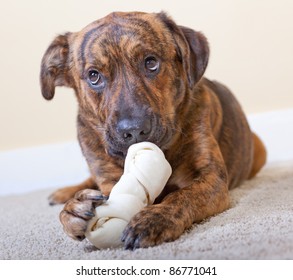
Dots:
(101, 128)
(168, 114)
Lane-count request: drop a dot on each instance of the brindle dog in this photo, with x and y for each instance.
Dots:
(138, 77)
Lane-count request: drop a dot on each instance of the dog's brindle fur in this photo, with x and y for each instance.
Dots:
(138, 77)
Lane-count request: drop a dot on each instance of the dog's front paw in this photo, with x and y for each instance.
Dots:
(61, 196)
(78, 211)
(151, 226)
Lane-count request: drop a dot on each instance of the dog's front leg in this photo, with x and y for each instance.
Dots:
(206, 195)
(64, 194)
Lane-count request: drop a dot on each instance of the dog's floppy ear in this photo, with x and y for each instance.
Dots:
(192, 48)
(55, 66)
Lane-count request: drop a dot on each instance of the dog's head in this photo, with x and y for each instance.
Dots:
(132, 74)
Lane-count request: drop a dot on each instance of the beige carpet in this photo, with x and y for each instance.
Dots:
(259, 225)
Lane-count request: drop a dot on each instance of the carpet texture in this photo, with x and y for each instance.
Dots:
(259, 225)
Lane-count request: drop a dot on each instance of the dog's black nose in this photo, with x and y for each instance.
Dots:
(134, 130)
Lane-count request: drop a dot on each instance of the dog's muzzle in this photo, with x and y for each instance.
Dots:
(128, 131)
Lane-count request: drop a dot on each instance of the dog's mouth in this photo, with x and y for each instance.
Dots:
(122, 152)
(116, 153)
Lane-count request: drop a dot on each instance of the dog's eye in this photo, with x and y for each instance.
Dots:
(95, 78)
(151, 64)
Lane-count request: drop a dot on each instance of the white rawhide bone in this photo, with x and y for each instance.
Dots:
(146, 172)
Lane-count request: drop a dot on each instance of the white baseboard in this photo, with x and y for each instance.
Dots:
(48, 166)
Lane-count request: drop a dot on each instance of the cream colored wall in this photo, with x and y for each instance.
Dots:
(251, 51)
